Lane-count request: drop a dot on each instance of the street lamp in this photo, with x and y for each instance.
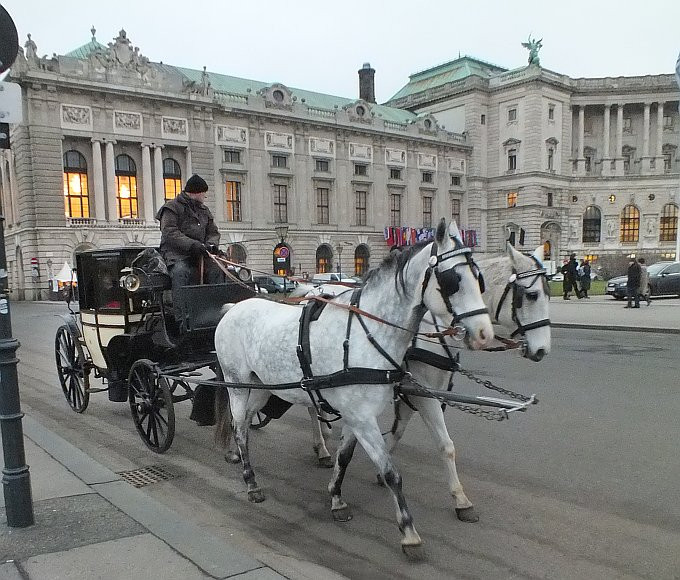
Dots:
(339, 250)
(281, 233)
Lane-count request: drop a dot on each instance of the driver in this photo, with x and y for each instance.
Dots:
(188, 232)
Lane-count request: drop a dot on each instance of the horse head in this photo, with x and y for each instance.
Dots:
(528, 297)
(452, 287)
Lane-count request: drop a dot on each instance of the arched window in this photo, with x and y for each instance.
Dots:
(592, 224)
(76, 200)
(172, 178)
(361, 256)
(324, 259)
(126, 187)
(630, 224)
(668, 225)
(236, 253)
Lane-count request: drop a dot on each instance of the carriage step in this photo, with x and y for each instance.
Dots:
(146, 475)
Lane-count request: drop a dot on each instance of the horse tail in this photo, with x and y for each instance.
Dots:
(223, 428)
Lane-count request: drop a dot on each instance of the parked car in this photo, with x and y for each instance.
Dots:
(331, 277)
(274, 284)
(664, 280)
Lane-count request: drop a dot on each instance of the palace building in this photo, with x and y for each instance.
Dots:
(582, 165)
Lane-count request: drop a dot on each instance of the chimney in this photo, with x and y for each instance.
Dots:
(367, 83)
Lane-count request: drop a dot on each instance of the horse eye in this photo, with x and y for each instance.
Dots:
(533, 296)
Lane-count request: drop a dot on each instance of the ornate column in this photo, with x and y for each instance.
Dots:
(99, 197)
(646, 167)
(111, 193)
(147, 184)
(158, 175)
(659, 164)
(580, 159)
(606, 159)
(619, 140)
(189, 169)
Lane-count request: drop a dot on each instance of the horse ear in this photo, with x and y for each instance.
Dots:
(441, 231)
(454, 232)
(513, 254)
(538, 254)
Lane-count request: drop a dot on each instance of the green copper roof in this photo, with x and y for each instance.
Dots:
(454, 70)
(85, 50)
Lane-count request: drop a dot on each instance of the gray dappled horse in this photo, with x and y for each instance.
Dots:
(253, 344)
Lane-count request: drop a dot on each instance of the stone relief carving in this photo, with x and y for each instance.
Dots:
(455, 164)
(427, 161)
(360, 152)
(651, 226)
(611, 228)
(173, 126)
(130, 121)
(321, 146)
(274, 140)
(395, 156)
(75, 115)
(573, 229)
(231, 134)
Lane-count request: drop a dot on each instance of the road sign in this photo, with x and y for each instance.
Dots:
(9, 41)
(10, 103)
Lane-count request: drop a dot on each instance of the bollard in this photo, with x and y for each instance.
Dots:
(16, 479)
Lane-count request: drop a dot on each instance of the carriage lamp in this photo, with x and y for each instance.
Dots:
(244, 275)
(130, 282)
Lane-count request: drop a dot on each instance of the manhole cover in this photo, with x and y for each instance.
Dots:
(146, 475)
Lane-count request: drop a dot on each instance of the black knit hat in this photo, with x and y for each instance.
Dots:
(196, 184)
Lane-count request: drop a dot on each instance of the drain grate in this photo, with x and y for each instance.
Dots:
(146, 475)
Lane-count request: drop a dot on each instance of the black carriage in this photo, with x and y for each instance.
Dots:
(126, 334)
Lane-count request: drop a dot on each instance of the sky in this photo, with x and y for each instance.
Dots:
(319, 45)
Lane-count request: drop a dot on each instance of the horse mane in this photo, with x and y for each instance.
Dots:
(395, 263)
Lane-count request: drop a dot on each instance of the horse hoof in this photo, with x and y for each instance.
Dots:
(343, 514)
(256, 496)
(326, 462)
(414, 552)
(380, 481)
(232, 457)
(468, 515)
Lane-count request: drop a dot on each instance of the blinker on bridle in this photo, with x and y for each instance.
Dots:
(449, 280)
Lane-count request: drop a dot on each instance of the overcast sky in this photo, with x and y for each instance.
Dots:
(319, 45)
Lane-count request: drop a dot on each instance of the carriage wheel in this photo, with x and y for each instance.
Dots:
(74, 379)
(260, 420)
(151, 406)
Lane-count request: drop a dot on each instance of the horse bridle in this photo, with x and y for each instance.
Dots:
(518, 291)
(449, 280)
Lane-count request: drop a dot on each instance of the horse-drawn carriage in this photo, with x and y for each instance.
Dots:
(126, 333)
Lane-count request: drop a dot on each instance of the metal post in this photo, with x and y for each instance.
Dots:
(16, 480)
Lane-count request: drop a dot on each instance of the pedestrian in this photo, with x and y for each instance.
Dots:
(585, 278)
(633, 283)
(570, 272)
(566, 281)
(644, 282)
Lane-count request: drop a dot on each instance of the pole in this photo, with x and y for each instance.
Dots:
(16, 480)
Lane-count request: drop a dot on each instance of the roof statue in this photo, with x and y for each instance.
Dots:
(533, 46)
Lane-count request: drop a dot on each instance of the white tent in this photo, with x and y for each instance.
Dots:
(65, 275)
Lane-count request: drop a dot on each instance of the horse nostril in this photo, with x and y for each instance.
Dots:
(540, 353)
(482, 335)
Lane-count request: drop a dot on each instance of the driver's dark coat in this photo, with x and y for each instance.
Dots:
(186, 225)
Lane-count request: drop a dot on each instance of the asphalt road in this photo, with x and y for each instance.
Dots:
(584, 485)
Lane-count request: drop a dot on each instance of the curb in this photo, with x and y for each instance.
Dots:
(614, 327)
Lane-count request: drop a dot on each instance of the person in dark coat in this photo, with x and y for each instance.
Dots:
(585, 279)
(188, 233)
(566, 281)
(633, 283)
(570, 271)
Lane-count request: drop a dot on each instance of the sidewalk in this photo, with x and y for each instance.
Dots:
(605, 313)
(90, 523)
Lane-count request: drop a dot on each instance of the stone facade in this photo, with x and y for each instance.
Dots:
(104, 102)
(577, 143)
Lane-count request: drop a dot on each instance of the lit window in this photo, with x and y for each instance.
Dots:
(512, 198)
(668, 225)
(455, 210)
(281, 203)
(280, 161)
(360, 208)
(322, 205)
(395, 209)
(630, 224)
(172, 178)
(512, 114)
(233, 198)
(360, 169)
(76, 200)
(321, 165)
(592, 224)
(427, 211)
(361, 256)
(126, 187)
(428, 177)
(395, 173)
(231, 156)
(324, 259)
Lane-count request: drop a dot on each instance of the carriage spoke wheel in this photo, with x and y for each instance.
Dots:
(151, 406)
(74, 379)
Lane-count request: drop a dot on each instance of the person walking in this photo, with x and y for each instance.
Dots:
(571, 272)
(644, 282)
(633, 283)
(566, 282)
(585, 278)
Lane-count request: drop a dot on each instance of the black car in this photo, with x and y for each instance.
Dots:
(274, 284)
(664, 280)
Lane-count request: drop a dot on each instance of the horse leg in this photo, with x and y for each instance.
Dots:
(402, 415)
(433, 416)
(368, 434)
(348, 442)
(323, 456)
